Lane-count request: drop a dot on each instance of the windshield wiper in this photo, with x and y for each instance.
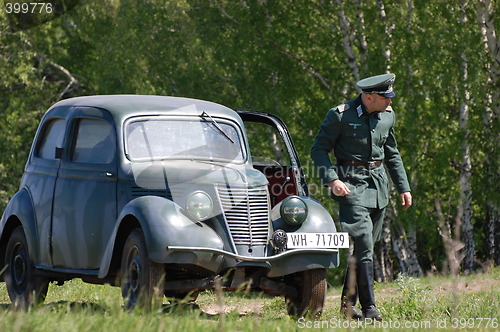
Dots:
(205, 114)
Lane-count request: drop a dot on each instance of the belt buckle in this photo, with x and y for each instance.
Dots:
(372, 164)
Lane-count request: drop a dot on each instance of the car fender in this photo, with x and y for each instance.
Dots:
(163, 224)
(318, 219)
(21, 207)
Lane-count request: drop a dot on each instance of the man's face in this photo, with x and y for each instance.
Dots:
(377, 103)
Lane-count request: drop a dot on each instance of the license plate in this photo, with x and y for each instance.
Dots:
(318, 240)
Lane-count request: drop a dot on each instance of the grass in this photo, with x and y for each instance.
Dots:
(432, 302)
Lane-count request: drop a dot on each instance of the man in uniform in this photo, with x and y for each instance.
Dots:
(360, 133)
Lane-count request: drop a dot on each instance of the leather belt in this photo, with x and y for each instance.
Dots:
(356, 163)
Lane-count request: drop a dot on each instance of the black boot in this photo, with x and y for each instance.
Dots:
(365, 289)
(350, 294)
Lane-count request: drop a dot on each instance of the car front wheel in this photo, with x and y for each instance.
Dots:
(24, 288)
(311, 293)
(142, 280)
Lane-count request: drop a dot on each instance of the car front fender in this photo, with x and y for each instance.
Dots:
(164, 224)
(318, 219)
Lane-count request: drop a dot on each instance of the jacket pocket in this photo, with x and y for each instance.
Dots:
(356, 137)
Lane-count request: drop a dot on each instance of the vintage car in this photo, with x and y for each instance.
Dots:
(166, 196)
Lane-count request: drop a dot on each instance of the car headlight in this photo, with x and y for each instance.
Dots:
(199, 205)
(293, 211)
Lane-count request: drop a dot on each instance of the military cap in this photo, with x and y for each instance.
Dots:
(380, 84)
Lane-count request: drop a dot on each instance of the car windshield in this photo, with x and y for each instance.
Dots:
(197, 138)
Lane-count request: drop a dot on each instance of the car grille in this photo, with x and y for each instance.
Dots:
(247, 214)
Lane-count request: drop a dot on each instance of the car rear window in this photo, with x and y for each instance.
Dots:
(52, 138)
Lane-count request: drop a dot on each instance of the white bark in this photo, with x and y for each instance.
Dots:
(348, 40)
(492, 44)
(389, 26)
(386, 250)
(466, 168)
(405, 246)
(492, 110)
(361, 36)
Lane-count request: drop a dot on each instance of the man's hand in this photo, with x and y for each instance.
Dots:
(406, 200)
(338, 188)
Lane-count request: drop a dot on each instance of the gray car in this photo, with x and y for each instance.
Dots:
(166, 196)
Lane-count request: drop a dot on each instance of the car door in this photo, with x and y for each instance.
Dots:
(274, 154)
(84, 209)
(40, 177)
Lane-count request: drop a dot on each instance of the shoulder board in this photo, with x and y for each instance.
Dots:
(342, 107)
(389, 109)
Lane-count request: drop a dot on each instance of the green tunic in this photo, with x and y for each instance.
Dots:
(354, 134)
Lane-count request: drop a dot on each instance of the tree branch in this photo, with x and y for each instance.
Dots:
(308, 68)
(72, 80)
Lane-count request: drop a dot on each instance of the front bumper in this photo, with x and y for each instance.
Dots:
(281, 264)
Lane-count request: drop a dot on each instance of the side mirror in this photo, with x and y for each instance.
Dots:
(59, 152)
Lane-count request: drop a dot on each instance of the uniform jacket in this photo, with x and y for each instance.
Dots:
(354, 134)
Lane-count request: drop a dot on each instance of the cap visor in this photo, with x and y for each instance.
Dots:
(389, 94)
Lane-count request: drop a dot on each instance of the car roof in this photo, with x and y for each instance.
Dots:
(125, 106)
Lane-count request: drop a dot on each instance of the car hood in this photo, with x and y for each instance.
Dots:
(162, 174)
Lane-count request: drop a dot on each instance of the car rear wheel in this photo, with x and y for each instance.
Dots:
(24, 288)
(311, 294)
(142, 280)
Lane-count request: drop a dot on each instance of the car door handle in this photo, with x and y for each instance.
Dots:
(108, 174)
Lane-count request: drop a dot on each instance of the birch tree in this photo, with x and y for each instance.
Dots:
(465, 172)
(491, 44)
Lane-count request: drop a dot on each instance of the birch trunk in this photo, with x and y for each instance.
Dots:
(492, 112)
(348, 43)
(389, 26)
(465, 177)
(404, 246)
(485, 17)
(496, 222)
(385, 249)
(389, 236)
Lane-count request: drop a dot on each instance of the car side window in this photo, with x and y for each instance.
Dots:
(94, 142)
(52, 138)
(266, 145)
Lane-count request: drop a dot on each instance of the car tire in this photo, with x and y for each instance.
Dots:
(142, 280)
(311, 294)
(24, 288)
